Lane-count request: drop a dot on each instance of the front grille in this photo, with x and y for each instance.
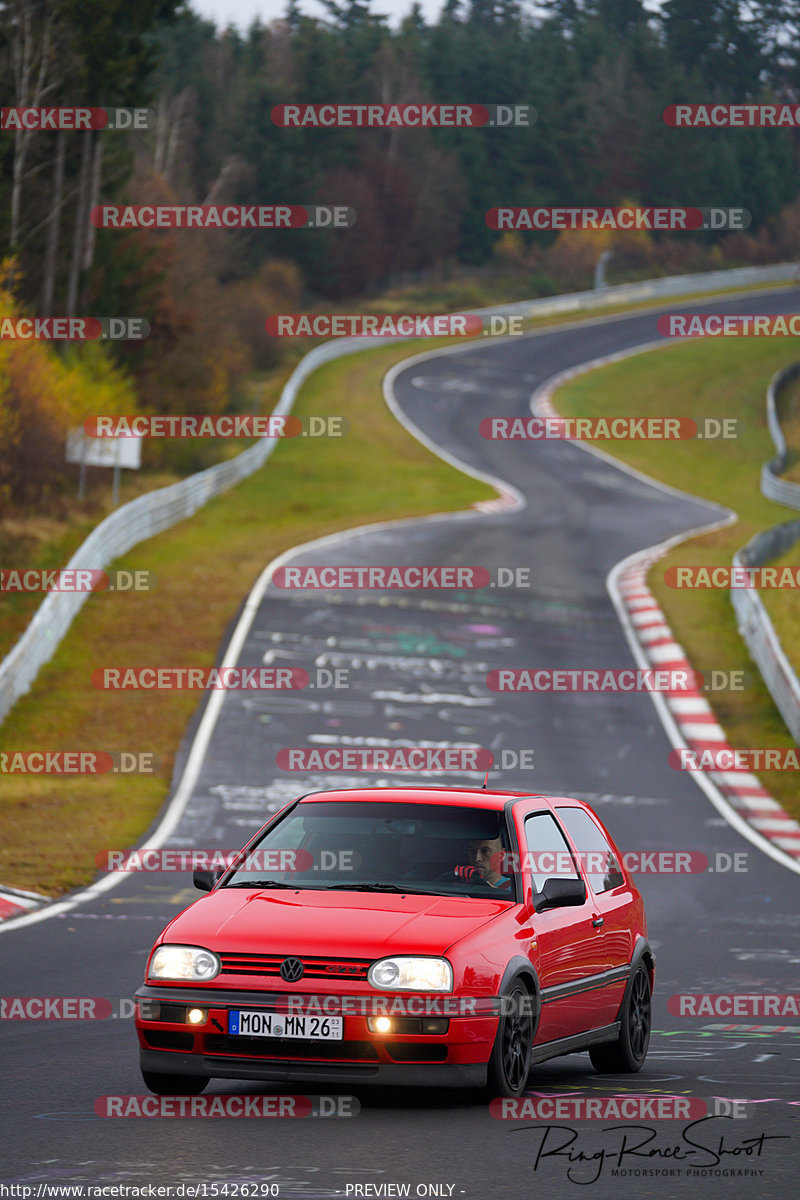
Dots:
(314, 968)
(166, 1039)
(217, 1043)
(414, 1052)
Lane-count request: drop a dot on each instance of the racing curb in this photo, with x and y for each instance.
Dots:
(15, 903)
(692, 715)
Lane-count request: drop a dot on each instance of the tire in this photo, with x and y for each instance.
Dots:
(510, 1060)
(175, 1085)
(627, 1054)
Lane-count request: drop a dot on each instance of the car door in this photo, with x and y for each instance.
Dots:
(613, 899)
(566, 952)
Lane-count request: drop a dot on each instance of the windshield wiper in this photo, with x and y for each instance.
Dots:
(261, 883)
(382, 887)
(340, 887)
(365, 887)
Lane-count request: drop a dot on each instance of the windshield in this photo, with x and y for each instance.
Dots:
(440, 849)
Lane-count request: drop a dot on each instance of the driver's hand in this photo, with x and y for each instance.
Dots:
(467, 873)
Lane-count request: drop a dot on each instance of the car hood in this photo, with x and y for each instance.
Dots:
(350, 924)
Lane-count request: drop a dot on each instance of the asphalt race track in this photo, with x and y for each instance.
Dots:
(416, 664)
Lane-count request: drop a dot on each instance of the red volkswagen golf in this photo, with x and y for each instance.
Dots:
(404, 935)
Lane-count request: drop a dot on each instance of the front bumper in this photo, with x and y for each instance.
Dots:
(455, 1058)
(291, 1071)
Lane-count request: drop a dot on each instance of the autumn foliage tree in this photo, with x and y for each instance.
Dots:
(44, 394)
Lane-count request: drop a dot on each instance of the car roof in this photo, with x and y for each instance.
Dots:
(477, 797)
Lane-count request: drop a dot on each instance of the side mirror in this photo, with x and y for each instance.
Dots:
(560, 893)
(205, 880)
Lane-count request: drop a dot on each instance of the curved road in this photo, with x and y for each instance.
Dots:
(417, 664)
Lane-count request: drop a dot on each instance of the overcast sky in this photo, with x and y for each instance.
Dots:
(242, 12)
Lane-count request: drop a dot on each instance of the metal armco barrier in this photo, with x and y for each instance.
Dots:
(648, 289)
(782, 490)
(752, 618)
(159, 510)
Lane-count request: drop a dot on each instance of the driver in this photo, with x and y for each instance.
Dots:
(486, 858)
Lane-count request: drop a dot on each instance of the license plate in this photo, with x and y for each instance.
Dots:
(264, 1024)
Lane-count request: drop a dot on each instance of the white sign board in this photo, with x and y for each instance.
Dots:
(104, 452)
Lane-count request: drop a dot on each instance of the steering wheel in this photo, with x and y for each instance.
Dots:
(454, 875)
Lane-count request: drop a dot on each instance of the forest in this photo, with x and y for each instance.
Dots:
(599, 74)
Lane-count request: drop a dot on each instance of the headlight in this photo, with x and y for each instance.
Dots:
(190, 963)
(412, 974)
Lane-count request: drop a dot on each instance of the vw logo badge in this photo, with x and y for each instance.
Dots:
(292, 970)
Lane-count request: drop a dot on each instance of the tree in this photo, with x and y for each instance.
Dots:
(113, 41)
(716, 40)
(30, 33)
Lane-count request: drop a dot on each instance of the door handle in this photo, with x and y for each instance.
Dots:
(598, 921)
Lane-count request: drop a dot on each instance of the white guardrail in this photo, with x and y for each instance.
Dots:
(752, 618)
(159, 510)
(782, 490)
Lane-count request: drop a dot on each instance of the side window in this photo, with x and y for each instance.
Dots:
(548, 855)
(597, 857)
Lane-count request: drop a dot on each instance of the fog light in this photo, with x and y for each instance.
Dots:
(149, 1010)
(379, 1024)
(195, 1016)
